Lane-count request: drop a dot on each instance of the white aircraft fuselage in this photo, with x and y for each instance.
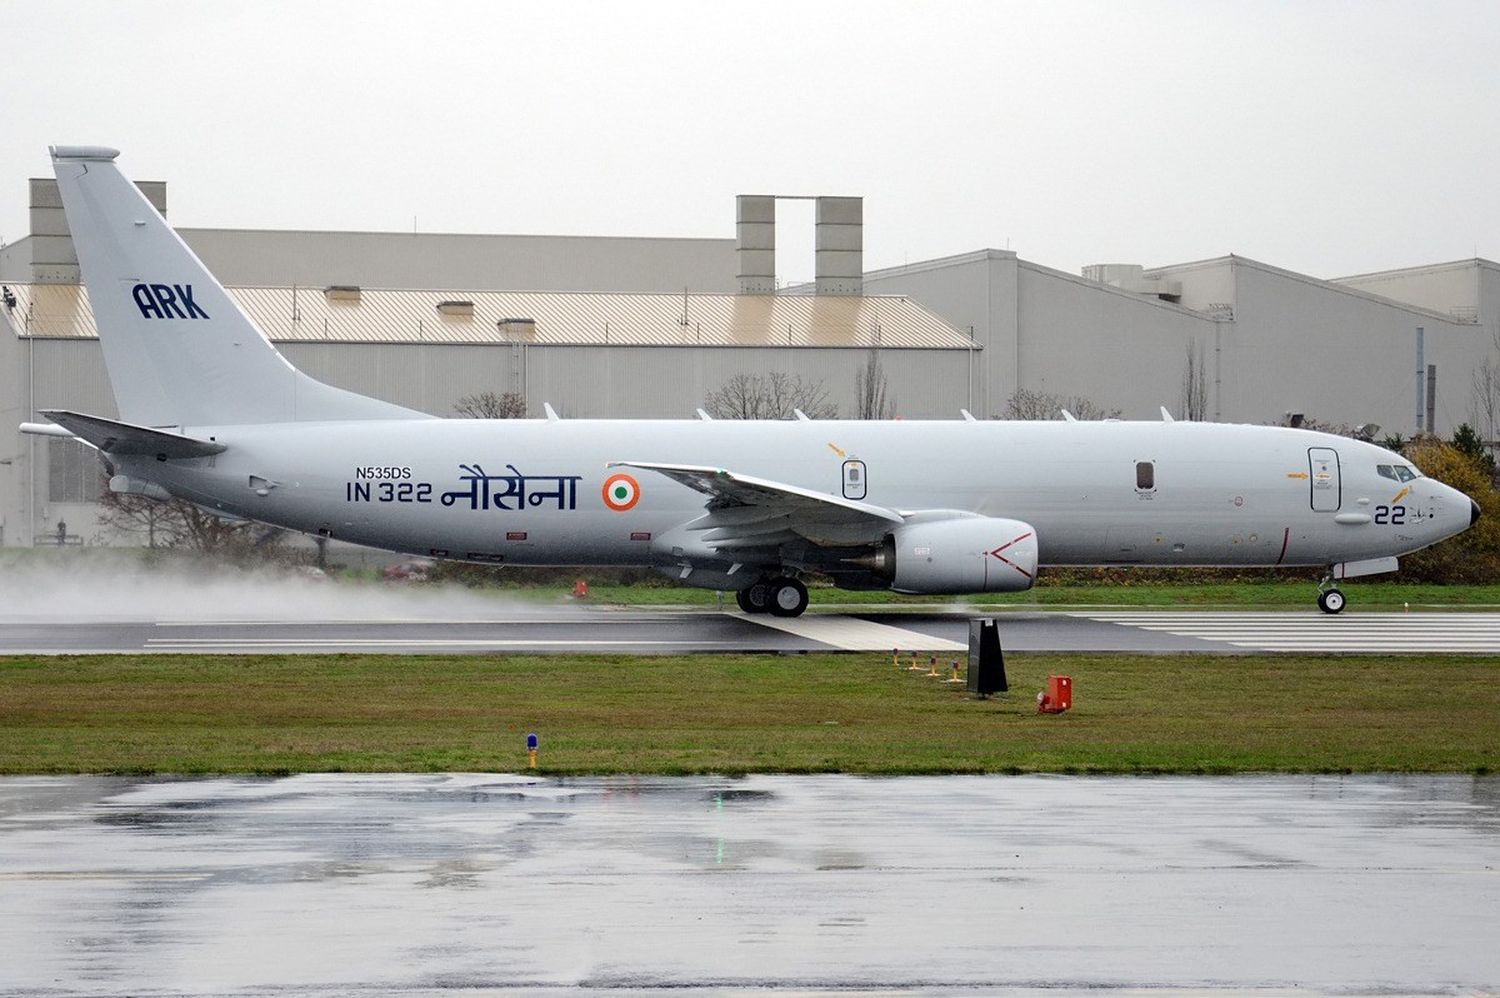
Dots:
(212, 413)
(1221, 494)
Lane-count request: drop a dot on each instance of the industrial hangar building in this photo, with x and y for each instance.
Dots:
(648, 327)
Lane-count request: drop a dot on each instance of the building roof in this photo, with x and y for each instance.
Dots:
(1337, 286)
(313, 315)
(1468, 263)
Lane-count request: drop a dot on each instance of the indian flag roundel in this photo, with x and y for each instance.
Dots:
(621, 492)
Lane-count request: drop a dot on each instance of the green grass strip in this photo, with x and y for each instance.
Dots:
(742, 713)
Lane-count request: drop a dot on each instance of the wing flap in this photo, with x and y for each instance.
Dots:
(745, 515)
(728, 490)
(126, 439)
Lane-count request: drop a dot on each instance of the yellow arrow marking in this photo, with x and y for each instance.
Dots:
(1296, 474)
(1400, 495)
(835, 449)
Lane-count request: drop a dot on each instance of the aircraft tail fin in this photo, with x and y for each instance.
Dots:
(179, 350)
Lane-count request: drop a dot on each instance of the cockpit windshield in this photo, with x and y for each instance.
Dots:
(1397, 472)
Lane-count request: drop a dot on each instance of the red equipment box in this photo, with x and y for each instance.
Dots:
(1058, 696)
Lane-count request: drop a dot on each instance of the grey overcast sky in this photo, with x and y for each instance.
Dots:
(1329, 138)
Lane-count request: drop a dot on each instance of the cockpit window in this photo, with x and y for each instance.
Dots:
(1397, 472)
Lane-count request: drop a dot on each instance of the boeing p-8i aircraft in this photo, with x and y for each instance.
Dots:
(210, 412)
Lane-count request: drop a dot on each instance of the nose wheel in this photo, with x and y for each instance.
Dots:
(1330, 598)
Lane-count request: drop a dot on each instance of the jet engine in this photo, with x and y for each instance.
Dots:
(970, 555)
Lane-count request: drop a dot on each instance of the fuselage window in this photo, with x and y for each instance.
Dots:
(1145, 476)
(1386, 471)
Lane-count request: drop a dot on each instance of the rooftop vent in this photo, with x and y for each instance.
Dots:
(839, 257)
(456, 307)
(515, 328)
(341, 292)
(1131, 277)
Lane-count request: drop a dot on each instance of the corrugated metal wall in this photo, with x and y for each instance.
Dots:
(459, 261)
(621, 382)
(601, 382)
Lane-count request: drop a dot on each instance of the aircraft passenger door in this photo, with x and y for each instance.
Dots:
(1323, 469)
(854, 479)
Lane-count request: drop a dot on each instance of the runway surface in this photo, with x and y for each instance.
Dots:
(427, 627)
(338, 884)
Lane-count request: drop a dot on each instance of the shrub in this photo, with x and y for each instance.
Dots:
(1474, 555)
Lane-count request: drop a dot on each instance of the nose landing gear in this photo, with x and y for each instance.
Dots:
(1330, 597)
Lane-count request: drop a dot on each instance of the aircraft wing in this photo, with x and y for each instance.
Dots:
(746, 513)
(113, 437)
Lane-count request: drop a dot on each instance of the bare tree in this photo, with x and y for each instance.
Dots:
(1028, 404)
(871, 399)
(491, 405)
(769, 396)
(177, 523)
(1484, 395)
(1194, 385)
(1323, 426)
(1302, 421)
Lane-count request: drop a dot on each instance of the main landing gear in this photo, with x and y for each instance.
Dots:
(782, 596)
(1330, 598)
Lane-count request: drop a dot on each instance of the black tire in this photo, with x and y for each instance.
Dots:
(1331, 601)
(754, 598)
(788, 597)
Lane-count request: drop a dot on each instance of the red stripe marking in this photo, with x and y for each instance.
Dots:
(1286, 535)
(996, 553)
(1007, 544)
(1017, 568)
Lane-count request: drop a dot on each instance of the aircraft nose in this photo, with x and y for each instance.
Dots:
(1474, 514)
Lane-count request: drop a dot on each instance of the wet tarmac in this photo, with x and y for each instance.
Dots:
(429, 629)
(472, 883)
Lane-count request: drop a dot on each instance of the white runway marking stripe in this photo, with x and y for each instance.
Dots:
(1312, 631)
(853, 634)
(573, 618)
(220, 644)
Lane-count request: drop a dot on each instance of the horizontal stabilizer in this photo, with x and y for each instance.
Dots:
(113, 437)
(45, 430)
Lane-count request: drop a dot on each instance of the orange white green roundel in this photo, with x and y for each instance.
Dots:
(621, 492)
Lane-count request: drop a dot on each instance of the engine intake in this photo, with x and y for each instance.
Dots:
(972, 555)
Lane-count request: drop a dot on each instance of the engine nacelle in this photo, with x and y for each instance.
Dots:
(972, 555)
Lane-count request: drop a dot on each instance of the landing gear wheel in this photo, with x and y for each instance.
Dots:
(754, 598)
(788, 597)
(1331, 601)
